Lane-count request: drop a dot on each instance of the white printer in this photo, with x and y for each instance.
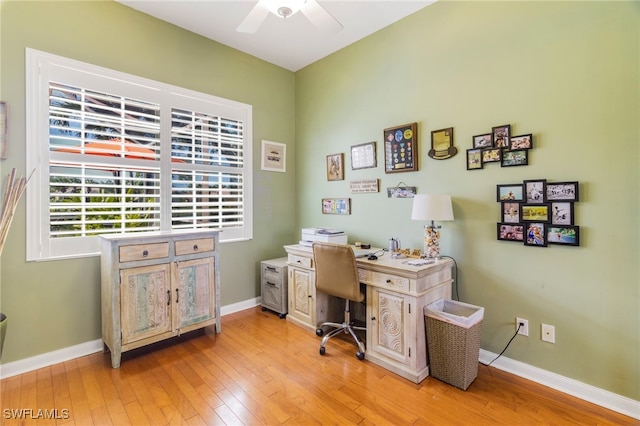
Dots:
(326, 235)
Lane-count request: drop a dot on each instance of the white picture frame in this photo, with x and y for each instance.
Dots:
(274, 156)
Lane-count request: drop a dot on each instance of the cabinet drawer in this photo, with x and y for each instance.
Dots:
(272, 273)
(143, 252)
(307, 262)
(384, 280)
(194, 246)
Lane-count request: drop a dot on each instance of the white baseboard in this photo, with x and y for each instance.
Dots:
(601, 397)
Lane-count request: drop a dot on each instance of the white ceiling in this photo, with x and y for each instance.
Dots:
(292, 43)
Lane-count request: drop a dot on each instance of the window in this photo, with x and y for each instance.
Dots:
(115, 153)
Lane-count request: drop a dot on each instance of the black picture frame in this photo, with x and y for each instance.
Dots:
(401, 148)
(514, 158)
(535, 234)
(510, 192)
(511, 232)
(535, 190)
(501, 136)
(562, 191)
(510, 211)
(519, 142)
(562, 213)
(492, 155)
(474, 159)
(483, 141)
(540, 212)
(565, 235)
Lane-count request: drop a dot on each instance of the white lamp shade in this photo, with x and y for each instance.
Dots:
(432, 207)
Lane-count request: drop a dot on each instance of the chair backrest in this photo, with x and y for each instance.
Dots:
(337, 271)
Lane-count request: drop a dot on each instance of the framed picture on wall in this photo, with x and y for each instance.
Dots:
(335, 168)
(566, 191)
(483, 141)
(501, 136)
(521, 142)
(561, 213)
(510, 192)
(535, 234)
(274, 156)
(510, 212)
(511, 232)
(515, 158)
(363, 156)
(474, 159)
(401, 148)
(563, 235)
(336, 206)
(535, 190)
(534, 213)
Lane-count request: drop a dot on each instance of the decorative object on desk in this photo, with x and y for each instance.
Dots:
(274, 156)
(538, 213)
(364, 185)
(336, 205)
(335, 170)
(3, 130)
(401, 191)
(432, 207)
(363, 156)
(401, 148)
(442, 144)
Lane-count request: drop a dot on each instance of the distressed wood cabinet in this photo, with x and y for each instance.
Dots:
(273, 284)
(156, 286)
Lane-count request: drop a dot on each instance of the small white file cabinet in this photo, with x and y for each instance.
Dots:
(273, 274)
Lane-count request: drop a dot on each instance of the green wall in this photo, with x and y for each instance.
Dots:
(566, 72)
(56, 304)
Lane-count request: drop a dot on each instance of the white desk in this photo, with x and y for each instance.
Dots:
(396, 296)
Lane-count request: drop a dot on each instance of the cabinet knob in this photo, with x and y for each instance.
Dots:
(373, 318)
(177, 296)
(388, 281)
(270, 283)
(195, 247)
(145, 253)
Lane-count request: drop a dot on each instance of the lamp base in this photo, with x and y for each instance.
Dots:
(432, 241)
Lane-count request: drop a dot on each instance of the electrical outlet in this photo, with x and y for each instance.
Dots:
(548, 333)
(524, 330)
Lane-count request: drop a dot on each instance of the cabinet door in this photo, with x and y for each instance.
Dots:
(388, 328)
(194, 291)
(301, 286)
(145, 296)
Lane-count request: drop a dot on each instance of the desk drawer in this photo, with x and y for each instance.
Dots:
(199, 245)
(143, 252)
(384, 280)
(306, 262)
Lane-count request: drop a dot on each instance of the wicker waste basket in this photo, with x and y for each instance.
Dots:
(453, 341)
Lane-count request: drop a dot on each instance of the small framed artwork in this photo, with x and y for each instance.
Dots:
(401, 148)
(474, 159)
(483, 141)
(363, 156)
(501, 135)
(521, 142)
(510, 212)
(491, 155)
(515, 158)
(534, 190)
(561, 213)
(274, 156)
(335, 170)
(442, 144)
(511, 232)
(534, 213)
(510, 192)
(535, 235)
(336, 206)
(565, 191)
(563, 235)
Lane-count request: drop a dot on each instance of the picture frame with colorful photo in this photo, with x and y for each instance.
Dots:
(474, 159)
(491, 155)
(335, 167)
(535, 190)
(535, 234)
(510, 212)
(562, 191)
(483, 141)
(510, 192)
(515, 158)
(566, 235)
(561, 213)
(535, 213)
(501, 136)
(521, 142)
(511, 232)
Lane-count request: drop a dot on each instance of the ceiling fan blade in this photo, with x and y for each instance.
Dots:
(320, 17)
(254, 19)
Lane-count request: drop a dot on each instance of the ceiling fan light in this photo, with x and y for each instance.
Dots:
(284, 8)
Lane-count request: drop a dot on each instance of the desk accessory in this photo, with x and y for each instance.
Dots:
(432, 207)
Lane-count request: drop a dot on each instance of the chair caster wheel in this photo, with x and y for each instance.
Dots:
(282, 316)
(323, 350)
(264, 309)
(360, 355)
(319, 332)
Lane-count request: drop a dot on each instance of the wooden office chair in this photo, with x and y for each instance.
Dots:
(337, 275)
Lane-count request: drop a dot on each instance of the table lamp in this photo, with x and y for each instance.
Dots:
(432, 207)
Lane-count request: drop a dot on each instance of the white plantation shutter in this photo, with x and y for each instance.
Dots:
(115, 153)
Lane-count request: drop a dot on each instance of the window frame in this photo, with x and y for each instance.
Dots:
(42, 67)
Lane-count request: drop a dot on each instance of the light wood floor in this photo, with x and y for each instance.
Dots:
(264, 370)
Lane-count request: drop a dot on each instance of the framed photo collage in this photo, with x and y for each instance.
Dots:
(538, 213)
(501, 147)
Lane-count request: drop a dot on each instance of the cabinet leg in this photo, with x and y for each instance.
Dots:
(115, 359)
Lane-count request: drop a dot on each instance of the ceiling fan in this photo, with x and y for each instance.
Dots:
(284, 9)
